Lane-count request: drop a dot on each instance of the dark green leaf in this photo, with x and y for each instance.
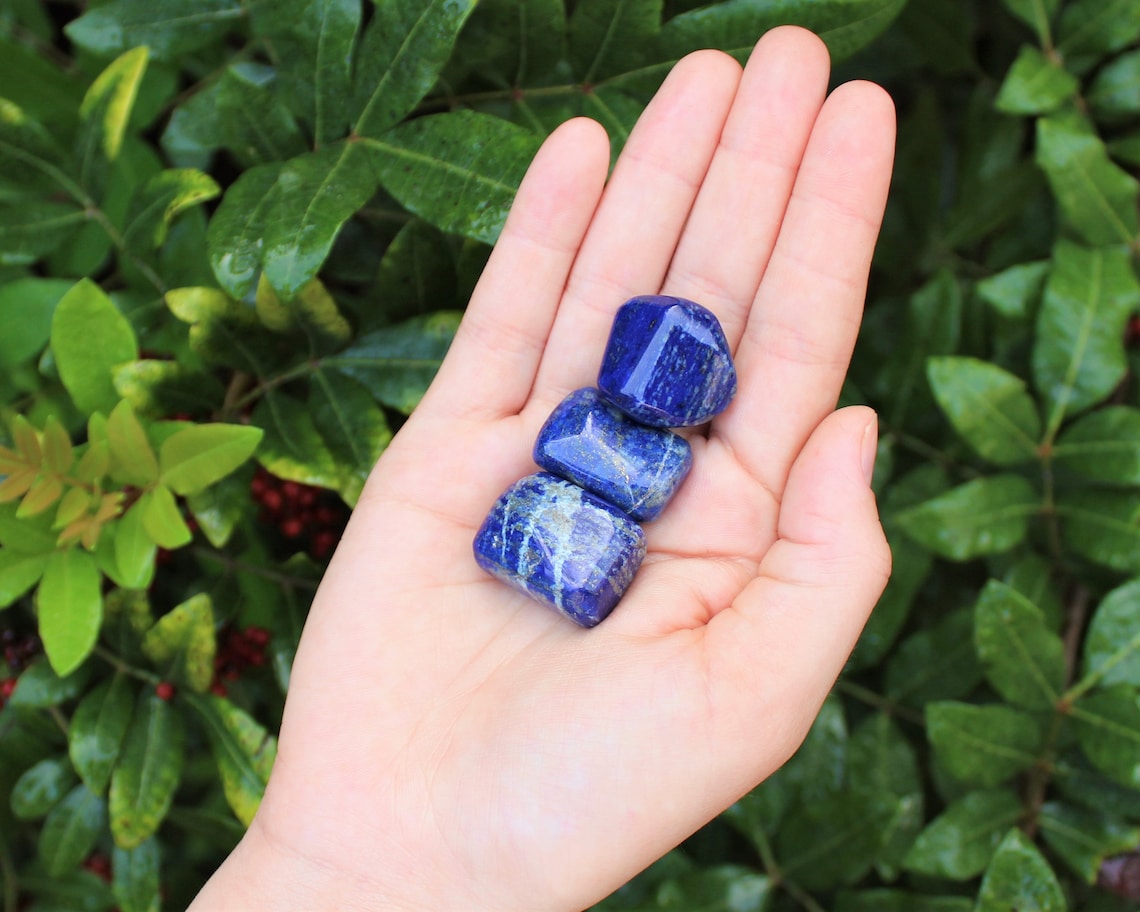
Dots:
(935, 664)
(168, 30)
(36, 229)
(899, 901)
(1090, 28)
(148, 772)
(416, 276)
(18, 573)
(1023, 659)
(348, 419)
(1037, 14)
(1078, 357)
(220, 507)
(983, 745)
(252, 120)
(89, 336)
(26, 308)
(1115, 92)
(988, 407)
(1108, 729)
(97, 729)
(984, 516)
(1112, 642)
(183, 645)
(136, 877)
(1019, 877)
(819, 766)
(161, 200)
(70, 603)
(719, 888)
(608, 37)
(401, 55)
(1084, 839)
(459, 171)
(160, 388)
(959, 842)
(1103, 526)
(41, 787)
(1097, 196)
(293, 450)
(244, 752)
(1035, 84)
(221, 331)
(202, 454)
(316, 194)
(237, 228)
(40, 687)
(1014, 292)
(37, 84)
(398, 364)
(516, 42)
(1103, 446)
(71, 830)
(1034, 577)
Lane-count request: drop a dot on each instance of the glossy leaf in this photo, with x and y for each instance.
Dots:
(1103, 526)
(162, 199)
(719, 888)
(416, 276)
(293, 450)
(238, 227)
(959, 842)
(148, 772)
(1108, 729)
(1112, 643)
(202, 454)
(312, 311)
(1078, 356)
(1097, 196)
(97, 729)
(135, 878)
(183, 645)
(70, 603)
(134, 459)
(1093, 27)
(1115, 92)
(986, 516)
(219, 508)
(401, 55)
(41, 787)
(105, 114)
(936, 663)
(1084, 839)
(89, 336)
(1019, 877)
(1035, 84)
(608, 37)
(71, 830)
(1024, 660)
(244, 752)
(398, 364)
(39, 687)
(349, 420)
(1015, 292)
(1037, 14)
(1103, 446)
(250, 119)
(983, 745)
(316, 194)
(221, 331)
(459, 171)
(172, 28)
(162, 519)
(18, 573)
(989, 408)
(521, 41)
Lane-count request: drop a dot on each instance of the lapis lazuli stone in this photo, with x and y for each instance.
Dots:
(667, 363)
(561, 545)
(589, 442)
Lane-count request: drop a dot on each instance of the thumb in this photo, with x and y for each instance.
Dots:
(786, 637)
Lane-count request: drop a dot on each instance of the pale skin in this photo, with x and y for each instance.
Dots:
(449, 744)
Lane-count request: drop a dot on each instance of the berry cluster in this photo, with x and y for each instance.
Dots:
(302, 513)
(238, 650)
(99, 865)
(19, 651)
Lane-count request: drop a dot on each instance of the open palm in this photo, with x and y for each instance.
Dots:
(449, 744)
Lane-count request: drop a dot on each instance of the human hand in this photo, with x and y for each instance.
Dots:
(450, 745)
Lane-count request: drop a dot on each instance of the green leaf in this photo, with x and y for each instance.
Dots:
(71, 831)
(1037, 14)
(1103, 526)
(718, 888)
(18, 573)
(135, 877)
(237, 227)
(1108, 730)
(251, 119)
(41, 787)
(40, 687)
(401, 55)
(134, 460)
(1035, 84)
(416, 276)
(397, 365)
(159, 388)
(293, 450)
(105, 114)
(244, 752)
(148, 772)
(1084, 839)
(1091, 29)
(1015, 291)
(30, 159)
(459, 171)
(1019, 877)
(162, 519)
(1115, 92)
(161, 199)
(26, 308)
(1103, 446)
(983, 745)
(985, 516)
(89, 336)
(959, 842)
(70, 605)
(608, 37)
(221, 331)
(35, 229)
(937, 663)
(1034, 577)
(1112, 641)
(183, 642)
(1098, 197)
(517, 41)
(899, 901)
(311, 311)
(202, 454)
(316, 194)
(1078, 357)
(988, 407)
(220, 507)
(97, 729)
(1023, 659)
(348, 419)
(169, 29)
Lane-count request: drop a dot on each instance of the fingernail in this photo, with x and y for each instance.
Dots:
(870, 447)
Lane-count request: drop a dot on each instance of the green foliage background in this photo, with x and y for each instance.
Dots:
(242, 231)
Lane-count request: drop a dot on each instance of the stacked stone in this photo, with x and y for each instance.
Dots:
(569, 536)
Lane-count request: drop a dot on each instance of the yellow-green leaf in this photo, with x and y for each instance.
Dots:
(70, 605)
(198, 456)
(89, 336)
(162, 519)
(182, 642)
(134, 459)
(244, 752)
(148, 772)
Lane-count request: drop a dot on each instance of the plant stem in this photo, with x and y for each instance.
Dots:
(11, 882)
(236, 566)
(868, 696)
(801, 896)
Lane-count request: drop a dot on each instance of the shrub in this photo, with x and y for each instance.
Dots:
(235, 238)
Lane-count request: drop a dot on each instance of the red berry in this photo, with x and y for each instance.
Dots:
(99, 864)
(292, 527)
(307, 497)
(7, 688)
(218, 689)
(272, 500)
(164, 690)
(291, 490)
(323, 544)
(259, 636)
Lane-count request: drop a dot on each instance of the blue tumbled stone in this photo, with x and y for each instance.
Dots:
(589, 442)
(561, 545)
(667, 362)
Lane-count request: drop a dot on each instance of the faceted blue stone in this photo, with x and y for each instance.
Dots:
(667, 363)
(561, 545)
(589, 442)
